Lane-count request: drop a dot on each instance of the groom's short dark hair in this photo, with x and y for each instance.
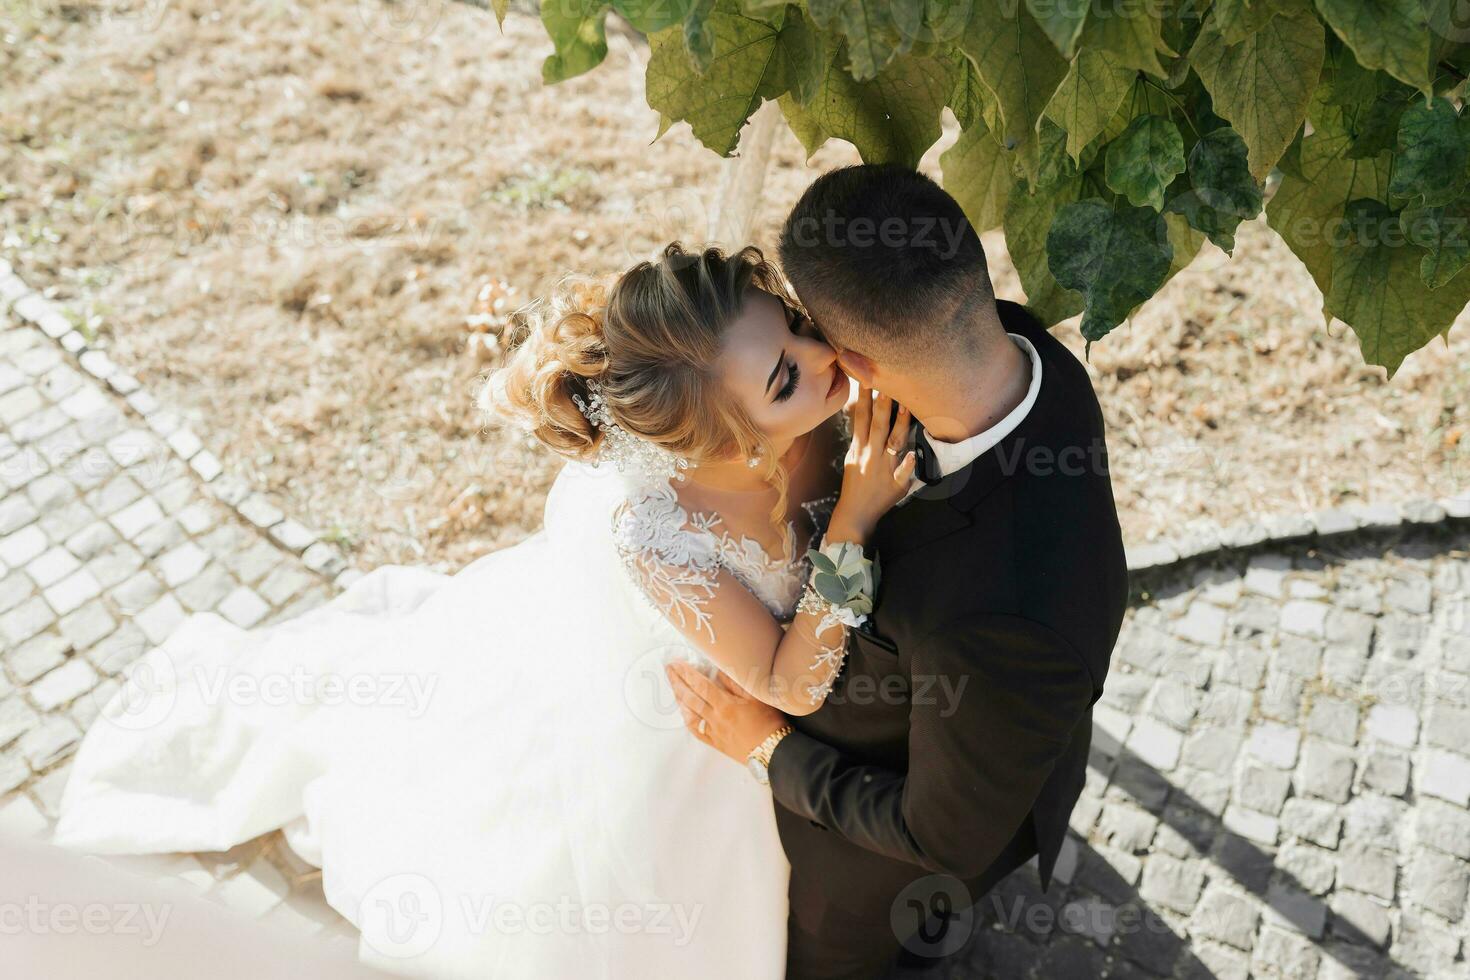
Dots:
(887, 263)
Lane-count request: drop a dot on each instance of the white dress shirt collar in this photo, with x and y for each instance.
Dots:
(954, 456)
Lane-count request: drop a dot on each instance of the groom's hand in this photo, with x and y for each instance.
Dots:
(734, 722)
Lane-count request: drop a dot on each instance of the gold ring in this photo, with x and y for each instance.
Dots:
(890, 450)
(701, 726)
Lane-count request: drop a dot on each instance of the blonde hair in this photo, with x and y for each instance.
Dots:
(651, 342)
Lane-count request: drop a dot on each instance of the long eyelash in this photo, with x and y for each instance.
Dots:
(794, 379)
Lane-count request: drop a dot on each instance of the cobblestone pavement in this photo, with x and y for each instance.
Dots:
(1279, 780)
(1279, 784)
(108, 538)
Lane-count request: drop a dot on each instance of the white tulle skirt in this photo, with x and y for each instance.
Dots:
(488, 767)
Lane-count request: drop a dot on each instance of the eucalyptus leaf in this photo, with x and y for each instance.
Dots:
(821, 562)
(829, 587)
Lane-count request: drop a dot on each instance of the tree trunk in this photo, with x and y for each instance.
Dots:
(741, 179)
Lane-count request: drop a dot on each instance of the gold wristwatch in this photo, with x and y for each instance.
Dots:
(759, 760)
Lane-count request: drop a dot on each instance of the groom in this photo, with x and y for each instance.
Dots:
(954, 744)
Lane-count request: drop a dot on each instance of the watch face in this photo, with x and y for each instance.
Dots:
(758, 770)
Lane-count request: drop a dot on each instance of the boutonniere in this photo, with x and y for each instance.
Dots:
(846, 579)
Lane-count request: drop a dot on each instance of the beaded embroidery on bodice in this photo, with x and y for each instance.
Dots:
(676, 556)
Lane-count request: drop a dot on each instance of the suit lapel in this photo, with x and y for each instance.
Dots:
(924, 517)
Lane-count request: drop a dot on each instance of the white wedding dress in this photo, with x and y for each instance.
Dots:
(488, 767)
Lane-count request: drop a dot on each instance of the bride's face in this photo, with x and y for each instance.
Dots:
(784, 375)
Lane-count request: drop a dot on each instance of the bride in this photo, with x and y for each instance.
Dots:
(488, 766)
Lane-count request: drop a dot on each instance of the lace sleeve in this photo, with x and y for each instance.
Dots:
(678, 564)
(673, 558)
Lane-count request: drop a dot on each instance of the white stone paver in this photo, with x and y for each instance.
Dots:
(104, 548)
(1313, 822)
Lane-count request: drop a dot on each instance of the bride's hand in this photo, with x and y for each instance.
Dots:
(874, 475)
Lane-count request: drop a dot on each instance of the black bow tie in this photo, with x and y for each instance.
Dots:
(926, 466)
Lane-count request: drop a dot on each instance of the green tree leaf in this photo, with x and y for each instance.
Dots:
(501, 8)
(1028, 220)
(1432, 153)
(805, 52)
(1221, 191)
(1186, 243)
(944, 23)
(699, 39)
(893, 118)
(1349, 83)
(650, 16)
(970, 99)
(1143, 160)
(1389, 34)
(1055, 164)
(1445, 232)
(752, 61)
(1062, 20)
(1109, 140)
(1132, 33)
(1264, 84)
(1181, 25)
(1117, 256)
(877, 31)
(1377, 290)
(1376, 126)
(976, 174)
(579, 35)
(1238, 19)
(1373, 101)
(1088, 96)
(1020, 67)
(1317, 182)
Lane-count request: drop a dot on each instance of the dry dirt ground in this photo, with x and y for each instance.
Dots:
(282, 215)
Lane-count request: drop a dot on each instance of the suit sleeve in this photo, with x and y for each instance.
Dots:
(980, 748)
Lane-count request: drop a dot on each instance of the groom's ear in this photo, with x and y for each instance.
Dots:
(858, 366)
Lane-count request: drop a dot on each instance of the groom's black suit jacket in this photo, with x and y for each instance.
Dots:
(1008, 578)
